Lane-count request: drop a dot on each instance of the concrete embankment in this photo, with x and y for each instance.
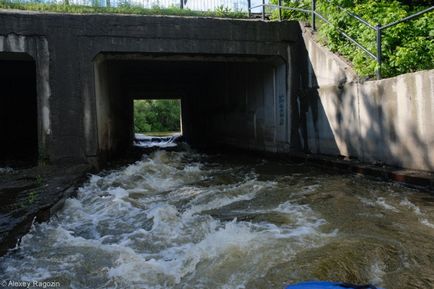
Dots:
(386, 121)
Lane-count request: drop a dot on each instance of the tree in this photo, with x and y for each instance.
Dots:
(157, 115)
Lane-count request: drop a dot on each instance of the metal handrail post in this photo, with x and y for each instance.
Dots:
(279, 2)
(249, 8)
(313, 15)
(379, 50)
(263, 9)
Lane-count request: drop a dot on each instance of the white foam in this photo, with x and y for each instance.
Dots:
(147, 226)
(146, 141)
(410, 205)
(417, 211)
(377, 272)
(6, 170)
(221, 196)
(367, 201)
(427, 223)
(177, 262)
(382, 202)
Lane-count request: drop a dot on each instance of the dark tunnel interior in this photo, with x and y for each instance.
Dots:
(18, 110)
(225, 100)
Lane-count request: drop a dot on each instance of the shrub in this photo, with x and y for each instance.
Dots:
(407, 47)
(157, 115)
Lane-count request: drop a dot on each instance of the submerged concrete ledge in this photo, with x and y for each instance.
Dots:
(414, 178)
(421, 180)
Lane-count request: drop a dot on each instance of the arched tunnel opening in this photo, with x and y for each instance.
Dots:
(18, 110)
(236, 101)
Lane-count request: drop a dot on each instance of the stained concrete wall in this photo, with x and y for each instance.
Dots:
(242, 106)
(35, 46)
(113, 110)
(388, 121)
(65, 48)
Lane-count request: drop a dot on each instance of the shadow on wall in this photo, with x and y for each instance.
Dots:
(396, 121)
(385, 122)
(310, 133)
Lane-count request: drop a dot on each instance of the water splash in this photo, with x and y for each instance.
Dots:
(149, 226)
(183, 220)
(146, 141)
(6, 170)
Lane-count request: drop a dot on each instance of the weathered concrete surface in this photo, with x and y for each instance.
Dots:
(31, 195)
(388, 121)
(65, 47)
(233, 102)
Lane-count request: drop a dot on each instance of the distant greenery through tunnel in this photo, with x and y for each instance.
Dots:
(157, 116)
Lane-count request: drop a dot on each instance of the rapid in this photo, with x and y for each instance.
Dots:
(188, 220)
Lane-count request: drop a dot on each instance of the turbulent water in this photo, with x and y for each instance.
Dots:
(186, 220)
(148, 141)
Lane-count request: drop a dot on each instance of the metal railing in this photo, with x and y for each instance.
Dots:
(378, 29)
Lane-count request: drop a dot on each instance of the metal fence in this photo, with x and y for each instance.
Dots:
(379, 29)
(194, 5)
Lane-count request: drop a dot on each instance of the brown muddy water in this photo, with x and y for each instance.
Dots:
(188, 220)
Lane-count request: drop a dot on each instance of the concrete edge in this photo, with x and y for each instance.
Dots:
(413, 178)
(343, 63)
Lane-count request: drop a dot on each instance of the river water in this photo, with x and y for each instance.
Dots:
(188, 220)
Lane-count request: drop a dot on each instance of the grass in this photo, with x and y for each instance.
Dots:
(122, 9)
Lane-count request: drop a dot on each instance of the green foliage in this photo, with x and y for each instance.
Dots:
(157, 115)
(30, 199)
(39, 180)
(222, 11)
(124, 8)
(293, 14)
(417, 2)
(407, 47)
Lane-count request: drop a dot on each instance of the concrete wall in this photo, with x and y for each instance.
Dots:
(72, 106)
(389, 121)
(246, 108)
(251, 84)
(225, 100)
